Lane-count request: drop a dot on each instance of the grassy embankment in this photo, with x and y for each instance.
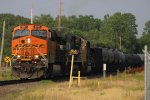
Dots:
(122, 87)
(5, 74)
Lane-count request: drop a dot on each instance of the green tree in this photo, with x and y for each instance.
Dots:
(120, 26)
(147, 28)
(99, 32)
(46, 20)
(145, 39)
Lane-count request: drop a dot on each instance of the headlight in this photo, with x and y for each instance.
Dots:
(29, 40)
(36, 56)
(18, 56)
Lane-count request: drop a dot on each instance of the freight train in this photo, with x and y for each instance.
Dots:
(38, 51)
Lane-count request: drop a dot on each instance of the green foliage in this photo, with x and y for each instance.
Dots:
(46, 20)
(106, 32)
(6, 75)
(147, 28)
(145, 39)
(120, 25)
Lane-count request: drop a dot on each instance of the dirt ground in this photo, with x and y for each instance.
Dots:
(15, 89)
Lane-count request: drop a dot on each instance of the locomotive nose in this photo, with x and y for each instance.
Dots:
(26, 40)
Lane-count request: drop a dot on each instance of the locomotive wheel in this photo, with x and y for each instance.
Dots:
(63, 68)
(83, 68)
(92, 64)
(22, 79)
(46, 73)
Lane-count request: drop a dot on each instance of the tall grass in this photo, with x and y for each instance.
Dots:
(6, 75)
(121, 87)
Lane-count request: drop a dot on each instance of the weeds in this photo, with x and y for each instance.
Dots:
(6, 75)
(46, 82)
(122, 87)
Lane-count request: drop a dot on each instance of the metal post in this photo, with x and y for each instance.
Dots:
(6, 67)
(78, 78)
(98, 84)
(110, 78)
(147, 74)
(70, 81)
(125, 71)
(145, 63)
(2, 44)
(118, 72)
(104, 70)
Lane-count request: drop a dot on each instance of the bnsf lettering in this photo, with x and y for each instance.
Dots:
(27, 45)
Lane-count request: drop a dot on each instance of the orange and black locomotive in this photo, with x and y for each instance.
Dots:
(38, 51)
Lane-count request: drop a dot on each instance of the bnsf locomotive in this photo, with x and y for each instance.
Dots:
(40, 52)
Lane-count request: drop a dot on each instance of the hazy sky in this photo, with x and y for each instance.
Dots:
(98, 8)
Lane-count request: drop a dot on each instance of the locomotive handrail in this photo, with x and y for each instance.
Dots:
(43, 56)
(41, 53)
(14, 55)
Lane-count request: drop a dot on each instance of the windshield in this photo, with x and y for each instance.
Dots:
(39, 33)
(20, 33)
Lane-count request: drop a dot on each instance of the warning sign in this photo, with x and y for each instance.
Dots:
(7, 59)
(72, 52)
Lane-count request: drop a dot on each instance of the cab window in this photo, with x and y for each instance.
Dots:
(39, 34)
(20, 33)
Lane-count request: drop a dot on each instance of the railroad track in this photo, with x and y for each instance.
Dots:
(13, 82)
(65, 78)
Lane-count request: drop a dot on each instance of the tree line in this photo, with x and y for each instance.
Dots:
(116, 31)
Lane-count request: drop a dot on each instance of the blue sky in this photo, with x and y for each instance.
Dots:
(97, 8)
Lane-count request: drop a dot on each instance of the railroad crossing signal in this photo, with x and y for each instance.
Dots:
(7, 59)
(72, 52)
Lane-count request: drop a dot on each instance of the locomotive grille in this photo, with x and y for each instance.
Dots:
(27, 53)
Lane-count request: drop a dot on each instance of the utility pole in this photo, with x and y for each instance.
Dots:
(120, 42)
(59, 14)
(2, 44)
(32, 14)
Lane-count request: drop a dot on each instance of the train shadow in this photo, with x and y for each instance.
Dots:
(83, 76)
(12, 82)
